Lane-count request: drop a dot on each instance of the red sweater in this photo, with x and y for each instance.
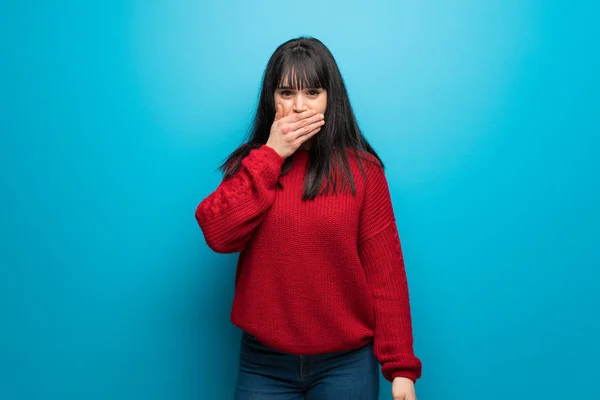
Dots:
(313, 276)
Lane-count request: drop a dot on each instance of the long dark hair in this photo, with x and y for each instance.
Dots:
(308, 63)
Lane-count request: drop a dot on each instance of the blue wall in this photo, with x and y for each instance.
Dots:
(115, 115)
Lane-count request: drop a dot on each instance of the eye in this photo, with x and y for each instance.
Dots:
(285, 93)
(314, 92)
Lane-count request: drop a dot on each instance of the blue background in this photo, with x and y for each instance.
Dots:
(115, 115)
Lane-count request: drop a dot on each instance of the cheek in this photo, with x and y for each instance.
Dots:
(321, 105)
(286, 104)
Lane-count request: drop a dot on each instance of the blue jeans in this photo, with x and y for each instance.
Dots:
(268, 374)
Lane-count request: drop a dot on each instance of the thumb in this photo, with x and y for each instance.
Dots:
(279, 113)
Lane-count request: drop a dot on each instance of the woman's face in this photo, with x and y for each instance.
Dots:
(297, 101)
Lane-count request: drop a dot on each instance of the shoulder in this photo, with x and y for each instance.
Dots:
(361, 160)
(368, 160)
(368, 173)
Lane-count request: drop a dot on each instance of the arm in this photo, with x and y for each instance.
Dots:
(229, 215)
(381, 255)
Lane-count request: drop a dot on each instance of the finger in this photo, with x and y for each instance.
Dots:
(279, 112)
(307, 121)
(308, 128)
(295, 117)
(313, 133)
(304, 138)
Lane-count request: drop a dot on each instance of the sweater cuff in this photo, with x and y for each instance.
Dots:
(270, 163)
(271, 155)
(405, 374)
(408, 366)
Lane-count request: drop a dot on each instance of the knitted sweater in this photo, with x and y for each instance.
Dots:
(315, 276)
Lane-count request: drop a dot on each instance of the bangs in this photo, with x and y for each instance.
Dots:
(299, 72)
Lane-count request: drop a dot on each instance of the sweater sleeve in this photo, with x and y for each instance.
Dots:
(381, 255)
(230, 214)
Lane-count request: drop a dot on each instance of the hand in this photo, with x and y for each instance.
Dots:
(403, 389)
(290, 131)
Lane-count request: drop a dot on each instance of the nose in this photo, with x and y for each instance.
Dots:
(299, 103)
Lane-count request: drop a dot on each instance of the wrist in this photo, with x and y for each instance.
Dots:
(275, 150)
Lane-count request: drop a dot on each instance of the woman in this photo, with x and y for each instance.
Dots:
(321, 294)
